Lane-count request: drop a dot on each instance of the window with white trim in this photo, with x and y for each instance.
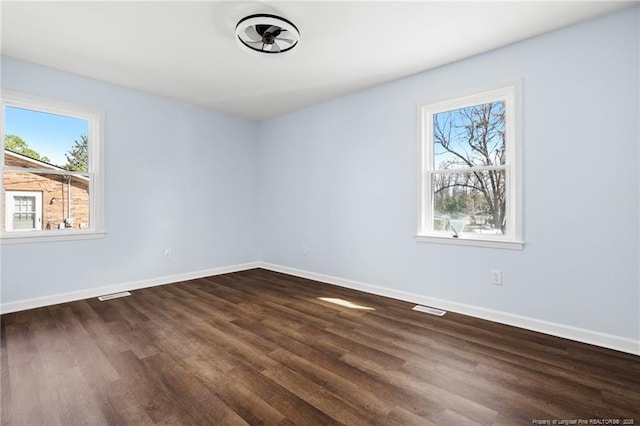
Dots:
(52, 169)
(469, 170)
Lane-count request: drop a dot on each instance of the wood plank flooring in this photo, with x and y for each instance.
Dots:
(259, 347)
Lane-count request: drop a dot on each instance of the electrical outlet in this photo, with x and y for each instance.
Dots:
(496, 277)
(303, 250)
(167, 254)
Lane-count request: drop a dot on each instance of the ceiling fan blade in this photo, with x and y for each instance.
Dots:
(275, 48)
(252, 34)
(286, 40)
(275, 30)
(267, 47)
(256, 44)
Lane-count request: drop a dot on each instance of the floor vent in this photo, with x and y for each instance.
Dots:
(114, 296)
(432, 311)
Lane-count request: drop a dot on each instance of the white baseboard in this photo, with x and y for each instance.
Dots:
(39, 302)
(610, 341)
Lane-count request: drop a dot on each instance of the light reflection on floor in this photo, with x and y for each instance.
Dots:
(345, 303)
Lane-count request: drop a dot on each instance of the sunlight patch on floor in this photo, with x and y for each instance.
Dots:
(345, 303)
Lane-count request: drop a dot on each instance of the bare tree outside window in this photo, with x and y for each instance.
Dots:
(469, 183)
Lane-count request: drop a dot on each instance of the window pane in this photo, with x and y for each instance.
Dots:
(470, 137)
(39, 138)
(64, 201)
(24, 204)
(24, 221)
(470, 202)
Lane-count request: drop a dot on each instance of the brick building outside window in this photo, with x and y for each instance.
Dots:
(42, 201)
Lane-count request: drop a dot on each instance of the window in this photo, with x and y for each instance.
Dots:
(469, 170)
(52, 170)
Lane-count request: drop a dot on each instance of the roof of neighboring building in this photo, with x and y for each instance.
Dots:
(41, 164)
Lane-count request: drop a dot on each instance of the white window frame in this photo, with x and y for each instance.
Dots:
(10, 208)
(511, 94)
(95, 118)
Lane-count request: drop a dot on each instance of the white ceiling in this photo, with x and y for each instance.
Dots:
(187, 50)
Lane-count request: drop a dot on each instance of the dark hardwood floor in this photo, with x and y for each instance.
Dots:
(259, 347)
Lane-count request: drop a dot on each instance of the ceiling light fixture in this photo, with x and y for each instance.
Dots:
(267, 34)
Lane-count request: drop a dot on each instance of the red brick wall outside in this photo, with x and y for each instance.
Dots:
(54, 189)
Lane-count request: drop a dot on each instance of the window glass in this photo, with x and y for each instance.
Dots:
(475, 199)
(468, 137)
(48, 138)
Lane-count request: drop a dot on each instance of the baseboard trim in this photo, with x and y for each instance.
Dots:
(55, 299)
(605, 340)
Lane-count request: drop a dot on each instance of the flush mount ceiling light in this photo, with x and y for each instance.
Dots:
(267, 34)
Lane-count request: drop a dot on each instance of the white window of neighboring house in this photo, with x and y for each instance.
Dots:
(24, 210)
(52, 170)
(469, 172)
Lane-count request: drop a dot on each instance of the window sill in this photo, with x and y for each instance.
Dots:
(49, 236)
(475, 242)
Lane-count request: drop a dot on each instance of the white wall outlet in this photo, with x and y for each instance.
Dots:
(303, 250)
(167, 254)
(496, 277)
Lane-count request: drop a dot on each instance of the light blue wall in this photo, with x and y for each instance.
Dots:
(340, 177)
(177, 177)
